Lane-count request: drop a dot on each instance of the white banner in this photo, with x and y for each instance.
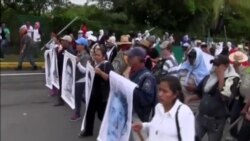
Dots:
(48, 74)
(89, 79)
(207, 59)
(68, 79)
(54, 69)
(116, 124)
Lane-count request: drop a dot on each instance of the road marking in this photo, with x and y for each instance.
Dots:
(21, 74)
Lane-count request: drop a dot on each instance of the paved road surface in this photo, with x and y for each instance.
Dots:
(27, 113)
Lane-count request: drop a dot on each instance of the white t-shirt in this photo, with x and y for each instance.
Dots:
(30, 31)
(163, 125)
(36, 35)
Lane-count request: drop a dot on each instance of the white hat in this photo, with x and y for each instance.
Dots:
(92, 38)
(238, 56)
(89, 33)
(80, 32)
(67, 38)
(164, 44)
(112, 39)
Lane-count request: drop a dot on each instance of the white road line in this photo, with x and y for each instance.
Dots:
(21, 74)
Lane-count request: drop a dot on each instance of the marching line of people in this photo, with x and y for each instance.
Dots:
(173, 102)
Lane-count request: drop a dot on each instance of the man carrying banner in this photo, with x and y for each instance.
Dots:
(66, 46)
(82, 59)
(144, 98)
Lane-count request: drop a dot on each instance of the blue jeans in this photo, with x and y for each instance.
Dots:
(30, 58)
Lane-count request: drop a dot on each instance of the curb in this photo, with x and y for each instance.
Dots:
(13, 65)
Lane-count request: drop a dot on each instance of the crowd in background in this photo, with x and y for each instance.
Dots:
(174, 100)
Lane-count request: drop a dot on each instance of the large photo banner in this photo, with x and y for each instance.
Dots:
(68, 79)
(116, 124)
(89, 79)
(48, 74)
(54, 70)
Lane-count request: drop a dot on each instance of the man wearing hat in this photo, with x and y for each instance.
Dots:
(144, 98)
(82, 58)
(120, 61)
(66, 42)
(26, 49)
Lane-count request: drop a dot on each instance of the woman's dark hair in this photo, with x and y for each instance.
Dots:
(174, 85)
(101, 48)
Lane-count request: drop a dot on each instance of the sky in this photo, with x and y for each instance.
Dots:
(78, 2)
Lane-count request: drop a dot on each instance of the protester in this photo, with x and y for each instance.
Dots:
(217, 91)
(82, 59)
(5, 38)
(120, 61)
(238, 59)
(171, 115)
(244, 130)
(111, 49)
(191, 73)
(145, 44)
(144, 98)
(101, 38)
(26, 49)
(29, 29)
(100, 90)
(84, 28)
(80, 34)
(66, 42)
(204, 47)
(37, 33)
(185, 48)
(167, 61)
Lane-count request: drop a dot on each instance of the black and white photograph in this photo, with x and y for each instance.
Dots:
(116, 125)
(48, 74)
(54, 69)
(68, 79)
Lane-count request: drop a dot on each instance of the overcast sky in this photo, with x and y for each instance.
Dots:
(78, 2)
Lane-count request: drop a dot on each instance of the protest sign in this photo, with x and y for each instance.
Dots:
(68, 79)
(47, 58)
(116, 124)
(54, 69)
(89, 79)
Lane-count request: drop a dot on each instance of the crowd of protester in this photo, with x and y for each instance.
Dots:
(173, 101)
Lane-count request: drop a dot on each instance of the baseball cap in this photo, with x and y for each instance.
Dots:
(82, 41)
(67, 38)
(136, 52)
(220, 59)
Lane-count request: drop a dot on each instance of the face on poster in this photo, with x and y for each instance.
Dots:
(68, 83)
(54, 70)
(48, 77)
(116, 125)
(89, 79)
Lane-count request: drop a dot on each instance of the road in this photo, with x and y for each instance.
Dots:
(27, 112)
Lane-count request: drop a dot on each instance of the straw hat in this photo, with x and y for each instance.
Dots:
(145, 43)
(124, 40)
(238, 56)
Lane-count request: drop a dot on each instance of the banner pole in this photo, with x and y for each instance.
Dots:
(61, 31)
